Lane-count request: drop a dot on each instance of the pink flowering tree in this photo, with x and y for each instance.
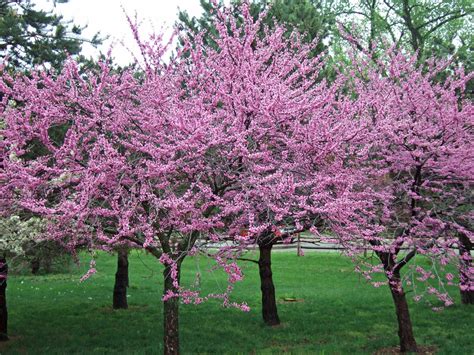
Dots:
(420, 143)
(126, 173)
(252, 84)
(279, 134)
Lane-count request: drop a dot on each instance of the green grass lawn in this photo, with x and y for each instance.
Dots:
(338, 312)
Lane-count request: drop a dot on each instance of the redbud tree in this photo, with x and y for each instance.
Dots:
(126, 171)
(420, 140)
(254, 85)
(280, 134)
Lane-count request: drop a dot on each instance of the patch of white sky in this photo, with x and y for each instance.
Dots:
(109, 18)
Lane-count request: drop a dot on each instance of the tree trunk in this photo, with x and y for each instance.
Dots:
(3, 300)
(466, 281)
(35, 266)
(405, 330)
(298, 246)
(269, 307)
(171, 313)
(121, 280)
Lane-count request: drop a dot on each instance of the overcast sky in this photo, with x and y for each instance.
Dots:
(107, 16)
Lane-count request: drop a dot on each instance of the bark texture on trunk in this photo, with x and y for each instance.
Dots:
(269, 306)
(3, 300)
(405, 329)
(121, 280)
(466, 278)
(171, 313)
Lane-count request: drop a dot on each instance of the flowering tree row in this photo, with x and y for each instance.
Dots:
(232, 141)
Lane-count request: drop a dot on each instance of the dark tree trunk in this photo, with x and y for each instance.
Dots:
(466, 281)
(269, 307)
(171, 313)
(3, 300)
(121, 280)
(405, 329)
(35, 266)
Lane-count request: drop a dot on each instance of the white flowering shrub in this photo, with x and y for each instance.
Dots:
(16, 235)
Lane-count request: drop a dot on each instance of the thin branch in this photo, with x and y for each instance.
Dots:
(252, 260)
(405, 260)
(444, 22)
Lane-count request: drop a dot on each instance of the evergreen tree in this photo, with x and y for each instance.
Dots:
(29, 36)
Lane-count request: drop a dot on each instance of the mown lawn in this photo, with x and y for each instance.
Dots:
(337, 312)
